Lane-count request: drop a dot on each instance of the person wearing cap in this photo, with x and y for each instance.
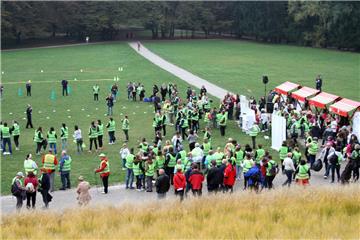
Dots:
(64, 169)
(83, 192)
(312, 150)
(49, 163)
(18, 190)
(179, 183)
(104, 170)
(124, 151)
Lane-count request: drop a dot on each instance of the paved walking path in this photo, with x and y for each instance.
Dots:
(179, 72)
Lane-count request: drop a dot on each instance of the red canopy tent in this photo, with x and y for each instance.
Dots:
(287, 87)
(322, 99)
(304, 93)
(344, 107)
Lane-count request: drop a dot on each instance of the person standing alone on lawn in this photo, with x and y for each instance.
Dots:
(16, 134)
(125, 127)
(111, 130)
(110, 104)
(29, 116)
(96, 90)
(64, 84)
(64, 136)
(100, 133)
(93, 136)
(28, 88)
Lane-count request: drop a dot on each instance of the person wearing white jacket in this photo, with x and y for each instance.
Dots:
(289, 169)
(124, 151)
(324, 155)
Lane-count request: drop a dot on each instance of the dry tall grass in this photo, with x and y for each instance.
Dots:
(294, 213)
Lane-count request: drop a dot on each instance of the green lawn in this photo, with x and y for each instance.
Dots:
(99, 61)
(239, 65)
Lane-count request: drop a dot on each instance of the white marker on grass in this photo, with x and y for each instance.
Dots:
(40, 112)
(24, 118)
(145, 112)
(41, 71)
(69, 116)
(82, 109)
(81, 70)
(2, 72)
(96, 109)
(47, 117)
(10, 113)
(54, 110)
(88, 115)
(68, 110)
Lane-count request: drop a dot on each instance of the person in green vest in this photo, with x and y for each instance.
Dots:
(313, 149)
(15, 129)
(93, 136)
(209, 159)
(283, 152)
(195, 120)
(246, 165)
(219, 155)
(51, 137)
(64, 169)
(207, 134)
(253, 132)
(100, 133)
(170, 162)
(303, 174)
(126, 127)
(308, 140)
(271, 170)
(296, 156)
(96, 90)
(149, 174)
(1, 141)
(144, 146)
(184, 124)
(159, 162)
(259, 154)
(222, 123)
(239, 158)
(138, 169)
(129, 169)
(30, 165)
(18, 189)
(111, 130)
(64, 136)
(5, 135)
(38, 139)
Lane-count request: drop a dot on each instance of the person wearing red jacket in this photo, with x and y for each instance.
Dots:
(196, 179)
(31, 189)
(229, 177)
(179, 183)
(104, 170)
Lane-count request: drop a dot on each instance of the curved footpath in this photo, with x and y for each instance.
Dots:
(118, 195)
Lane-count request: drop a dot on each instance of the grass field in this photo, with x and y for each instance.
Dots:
(100, 64)
(296, 213)
(239, 65)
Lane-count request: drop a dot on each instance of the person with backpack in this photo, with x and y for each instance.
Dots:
(289, 169)
(18, 190)
(335, 161)
(271, 170)
(303, 174)
(253, 177)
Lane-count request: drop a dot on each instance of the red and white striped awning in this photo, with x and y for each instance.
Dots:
(304, 93)
(344, 107)
(287, 87)
(322, 99)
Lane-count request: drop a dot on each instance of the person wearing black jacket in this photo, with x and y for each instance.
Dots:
(162, 184)
(163, 92)
(64, 84)
(213, 178)
(44, 188)
(29, 116)
(221, 170)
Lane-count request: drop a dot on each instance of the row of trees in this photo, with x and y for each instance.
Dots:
(321, 24)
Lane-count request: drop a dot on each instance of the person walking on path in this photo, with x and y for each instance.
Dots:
(229, 177)
(28, 88)
(31, 184)
(100, 133)
(64, 169)
(129, 160)
(18, 190)
(104, 170)
(111, 130)
(313, 149)
(6, 140)
(64, 136)
(49, 163)
(96, 90)
(64, 84)
(78, 139)
(253, 132)
(82, 191)
(271, 170)
(30, 165)
(51, 136)
(179, 183)
(93, 136)
(289, 169)
(44, 188)
(149, 173)
(15, 129)
(162, 184)
(196, 179)
(126, 127)
(29, 117)
(303, 174)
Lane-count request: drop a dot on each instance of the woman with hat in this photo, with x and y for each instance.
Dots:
(83, 192)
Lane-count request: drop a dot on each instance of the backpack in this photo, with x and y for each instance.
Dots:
(15, 189)
(317, 166)
(273, 169)
(255, 177)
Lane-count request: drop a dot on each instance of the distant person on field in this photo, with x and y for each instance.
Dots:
(28, 88)
(64, 136)
(83, 192)
(87, 39)
(64, 84)
(6, 140)
(15, 129)
(64, 169)
(96, 90)
(29, 116)
(110, 104)
(78, 139)
(318, 83)
(138, 45)
(51, 136)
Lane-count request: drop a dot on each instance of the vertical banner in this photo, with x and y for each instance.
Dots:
(356, 124)
(278, 131)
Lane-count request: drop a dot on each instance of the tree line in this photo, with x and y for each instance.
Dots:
(318, 24)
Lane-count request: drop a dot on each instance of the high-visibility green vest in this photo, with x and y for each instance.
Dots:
(96, 89)
(239, 157)
(92, 132)
(49, 161)
(144, 147)
(129, 161)
(271, 163)
(136, 169)
(187, 163)
(184, 123)
(64, 132)
(209, 159)
(177, 166)
(223, 120)
(17, 179)
(107, 168)
(125, 124)
(16, 131)
(28, 166)
(218, 158)
(260, 153)
(218, 117)
(160, 161)
(172, 161)
(296, 157)
(195, 116)
(100, 130)
(150, 170)
(313, 148)
(254, 130)
(283, 151)
(52, 137)
(155, 151)
(111, 126)
(182, 154)
(67, 165)
(247, 165)
(207, 148)
(303, 172)
(5, 132)
(206, 118)
(36, 136)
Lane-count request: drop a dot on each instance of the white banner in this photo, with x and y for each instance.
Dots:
(356, 124)
(278, 131)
